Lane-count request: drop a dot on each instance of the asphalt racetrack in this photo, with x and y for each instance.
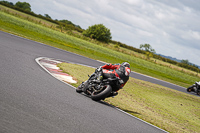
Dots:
(32, 101)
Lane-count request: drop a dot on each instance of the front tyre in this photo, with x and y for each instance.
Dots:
(79, 88)
(96, 96)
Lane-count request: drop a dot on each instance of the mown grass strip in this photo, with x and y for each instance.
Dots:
(168, 109)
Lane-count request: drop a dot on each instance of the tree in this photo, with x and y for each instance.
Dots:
(66, 21)
(23, 5)
(149, 50)
(98, 32)
(185, 62)
(147, 47)
(47, 16)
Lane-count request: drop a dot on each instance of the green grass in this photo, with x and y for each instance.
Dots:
(168, 109)
(30, 30)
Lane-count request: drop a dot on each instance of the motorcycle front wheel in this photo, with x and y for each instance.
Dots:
(96, 96)
(82, 87)
(79, 88)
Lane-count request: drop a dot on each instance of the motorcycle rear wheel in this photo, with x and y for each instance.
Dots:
(97, 96)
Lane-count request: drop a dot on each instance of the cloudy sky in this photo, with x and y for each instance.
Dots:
(171, 27)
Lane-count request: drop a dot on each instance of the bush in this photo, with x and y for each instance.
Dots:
(98, 32)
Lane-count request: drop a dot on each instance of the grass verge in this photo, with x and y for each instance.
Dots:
(168, 109)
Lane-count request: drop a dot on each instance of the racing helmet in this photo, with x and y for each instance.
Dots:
(126, 64)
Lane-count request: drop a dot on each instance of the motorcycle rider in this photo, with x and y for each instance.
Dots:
(195, 88)
(120, 71)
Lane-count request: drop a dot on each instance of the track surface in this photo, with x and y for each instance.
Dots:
(33, 101)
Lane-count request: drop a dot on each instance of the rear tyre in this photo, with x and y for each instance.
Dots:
(96, 96)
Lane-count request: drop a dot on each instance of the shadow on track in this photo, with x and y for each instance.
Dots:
(125, 110)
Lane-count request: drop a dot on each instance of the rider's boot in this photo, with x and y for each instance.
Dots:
(113, 94)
